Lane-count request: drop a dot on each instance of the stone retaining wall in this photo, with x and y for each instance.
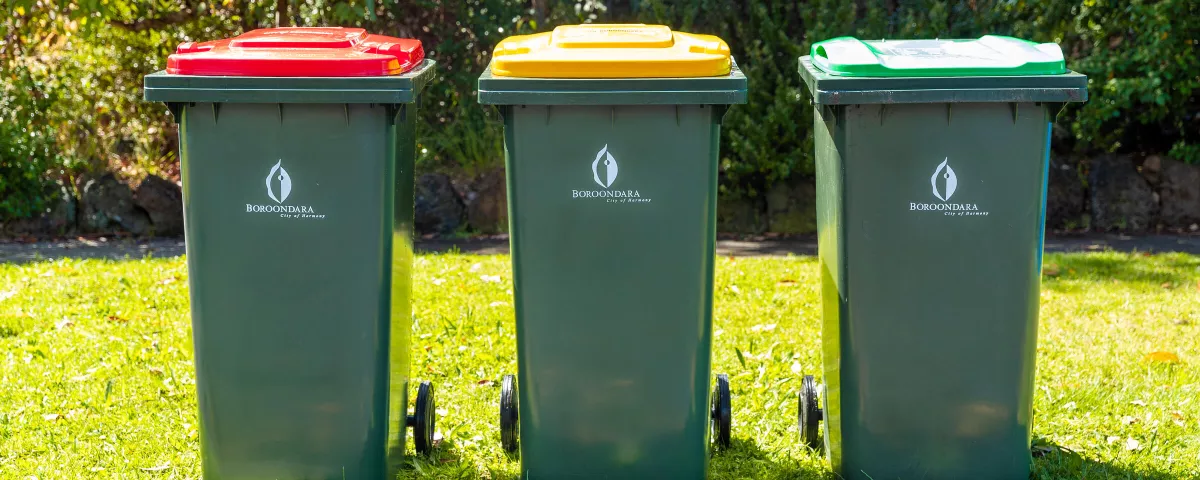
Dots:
(1103, 193)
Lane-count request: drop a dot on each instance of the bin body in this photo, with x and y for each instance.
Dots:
(612, 216)
(298, 218)
(930, 211)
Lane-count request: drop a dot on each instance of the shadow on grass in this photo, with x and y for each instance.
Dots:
(444, 462)
(745, 459)
(1055, 462)
(1177, 270)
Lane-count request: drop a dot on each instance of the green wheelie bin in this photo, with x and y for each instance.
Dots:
(931, 161)
(611, 135)
(296, 147)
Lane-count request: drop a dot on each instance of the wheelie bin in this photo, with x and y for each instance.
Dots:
(611, 136)
(931, 160)
(297, 154)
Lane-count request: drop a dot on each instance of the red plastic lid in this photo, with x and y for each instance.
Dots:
(298, 52)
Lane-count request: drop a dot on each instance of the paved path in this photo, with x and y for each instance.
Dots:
(122, 248)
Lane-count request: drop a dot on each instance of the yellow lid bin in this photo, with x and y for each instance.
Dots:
(612, 51)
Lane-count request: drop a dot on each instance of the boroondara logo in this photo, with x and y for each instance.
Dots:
(610, 168)
(943, 170)
(284, 181)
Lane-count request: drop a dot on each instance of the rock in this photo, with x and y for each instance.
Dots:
(792, 206)
(108, 206)
(741, 214)
(487, 203)
(55, 220)
(437, 206)
(1065, 196)
(162, 200)
(61, 217)
(1120, 197)
(1179, 194)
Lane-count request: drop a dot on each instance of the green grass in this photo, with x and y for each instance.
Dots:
(97, 379)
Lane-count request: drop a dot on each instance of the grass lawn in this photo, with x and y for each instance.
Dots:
(96, 379)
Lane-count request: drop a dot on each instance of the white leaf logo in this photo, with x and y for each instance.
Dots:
(285, 183)
(951, 180)
(610, 168)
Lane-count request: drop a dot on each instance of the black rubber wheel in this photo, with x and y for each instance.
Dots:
(810, 414)
(722, 414)
(423, 419)
(510, 428)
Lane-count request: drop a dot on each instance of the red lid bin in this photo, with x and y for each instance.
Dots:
(298, 52)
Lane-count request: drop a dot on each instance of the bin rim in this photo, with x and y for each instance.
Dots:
(392, 89)
(827, 89)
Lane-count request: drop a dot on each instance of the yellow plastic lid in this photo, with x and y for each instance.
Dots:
(611, 51)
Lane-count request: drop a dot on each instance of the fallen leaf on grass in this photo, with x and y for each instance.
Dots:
(787, 282)
(1051, 270)
(156, 371)
(114, 318)
(168, 280)
(797, 368)
(1113, 439)
(763, 328)
(1162, 357)
(1166, 285)
(486, 383)
(439, 281)
(1139, 402)
(64, 323)
(490, 278)
(734, 288)
(1132, 445)
(50, 417)
(1069, 406)
(1128, 420)
(497, 304)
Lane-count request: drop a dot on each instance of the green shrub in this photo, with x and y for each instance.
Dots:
(73, 102)
(1139, 56)
(27, 152)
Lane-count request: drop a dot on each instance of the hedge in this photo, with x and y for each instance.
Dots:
(71, 100)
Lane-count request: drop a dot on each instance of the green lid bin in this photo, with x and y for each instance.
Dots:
(931, 164)
(611, 135)
(296, 147)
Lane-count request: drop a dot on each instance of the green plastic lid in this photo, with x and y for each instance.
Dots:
(990, 55)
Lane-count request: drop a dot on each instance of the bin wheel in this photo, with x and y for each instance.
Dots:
(722, 414)
(810, 414)
(423, 419)
(509, 427)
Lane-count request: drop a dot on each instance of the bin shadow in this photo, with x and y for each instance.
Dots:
(1053, 462)
(745, 459)
(1130, 268)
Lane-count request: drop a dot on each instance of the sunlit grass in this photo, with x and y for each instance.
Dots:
(97, 379)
